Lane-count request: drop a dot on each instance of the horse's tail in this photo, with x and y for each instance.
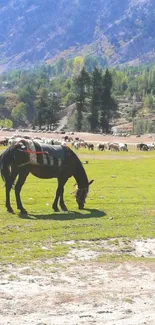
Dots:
(6, 160)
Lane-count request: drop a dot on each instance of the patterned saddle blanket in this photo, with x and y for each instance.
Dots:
(42, 154)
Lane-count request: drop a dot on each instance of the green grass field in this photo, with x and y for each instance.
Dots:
(121, 203)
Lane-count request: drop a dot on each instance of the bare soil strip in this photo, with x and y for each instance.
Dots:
(81, 290)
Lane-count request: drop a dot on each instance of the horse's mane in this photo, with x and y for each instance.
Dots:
(80, 173)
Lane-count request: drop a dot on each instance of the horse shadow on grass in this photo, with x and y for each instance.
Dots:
(69, 215)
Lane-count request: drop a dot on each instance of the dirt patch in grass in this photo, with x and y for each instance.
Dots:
(104, 156)
(80, 289)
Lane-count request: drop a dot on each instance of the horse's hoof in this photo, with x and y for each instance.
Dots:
(23, 211)
(10, 211)
(56, 209)
(64, 208)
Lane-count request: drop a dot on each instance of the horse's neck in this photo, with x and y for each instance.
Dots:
(81, 177)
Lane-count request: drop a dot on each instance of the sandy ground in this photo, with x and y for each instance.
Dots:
(82, 290)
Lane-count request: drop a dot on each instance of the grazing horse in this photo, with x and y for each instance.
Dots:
(43, 161)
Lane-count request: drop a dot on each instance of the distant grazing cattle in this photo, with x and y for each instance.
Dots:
(70, 139)
(15, 139)
(83, 144)
(151, 146)
(65, 138)
(76, 145)
(123, 146)
(142, 147)
(114, 147)
(4, 142)
(101, 146)
(90, 146)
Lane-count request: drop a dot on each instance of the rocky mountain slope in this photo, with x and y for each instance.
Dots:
(36, 30)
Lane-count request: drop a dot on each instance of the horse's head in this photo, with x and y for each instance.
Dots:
(81, 194)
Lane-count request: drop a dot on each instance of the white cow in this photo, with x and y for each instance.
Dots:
(151, 146)
(123, 147)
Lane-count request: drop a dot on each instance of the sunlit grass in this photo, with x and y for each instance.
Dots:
(121, 203)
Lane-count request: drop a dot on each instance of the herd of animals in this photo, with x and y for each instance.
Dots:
(50, 158)
(78, 143)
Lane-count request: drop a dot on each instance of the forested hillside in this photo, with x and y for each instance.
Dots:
(121, 31)
(102, 97)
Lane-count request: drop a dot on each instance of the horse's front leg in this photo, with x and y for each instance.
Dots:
(59, 194)
(62, 203)
(18, 186)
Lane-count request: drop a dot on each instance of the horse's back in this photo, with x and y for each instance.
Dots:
(43, 154)
(56, 151)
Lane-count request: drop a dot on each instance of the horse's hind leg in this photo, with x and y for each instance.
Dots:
(18, 186)
(55, 203)
(9, 182)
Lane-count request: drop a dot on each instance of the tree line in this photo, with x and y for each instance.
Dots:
(36, 96)
(94, 96)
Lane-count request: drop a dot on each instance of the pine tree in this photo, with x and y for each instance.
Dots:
(108, 109)
(41, 107)
(51, 111)
(82, 83)
(95, 99)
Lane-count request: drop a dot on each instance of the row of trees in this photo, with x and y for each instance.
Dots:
(38, 94)
(94, 96)
(41, 108)
(126, 81)
(40, 99)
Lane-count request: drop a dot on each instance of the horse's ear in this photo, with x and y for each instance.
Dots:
(91, 181)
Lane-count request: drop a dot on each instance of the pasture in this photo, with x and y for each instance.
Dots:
(120, 204)
(91, 266)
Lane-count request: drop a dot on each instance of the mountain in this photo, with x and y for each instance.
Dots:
(33, 31)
